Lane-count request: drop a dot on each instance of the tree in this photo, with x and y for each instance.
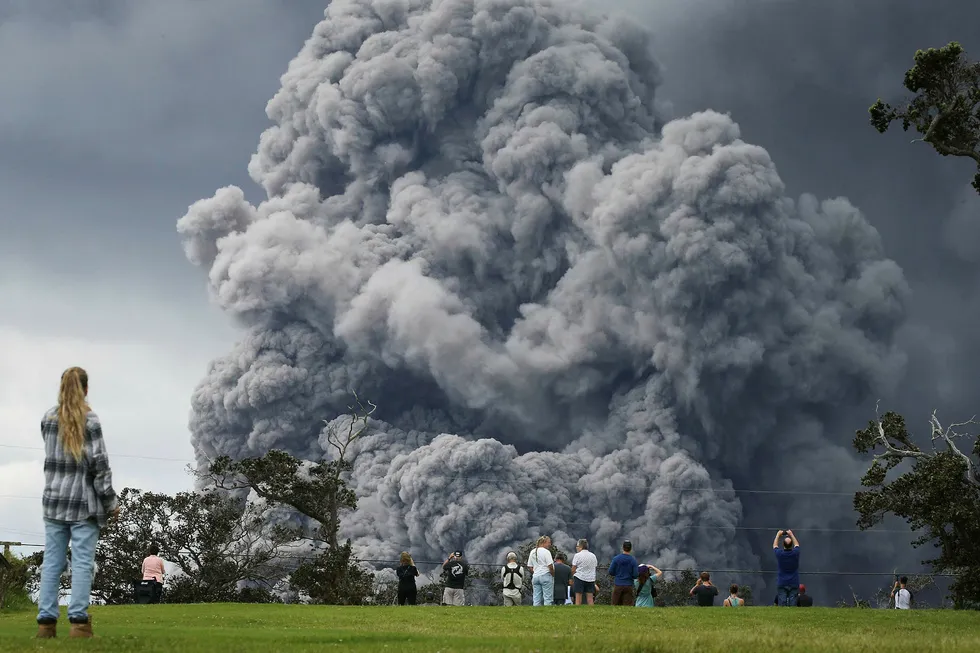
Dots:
(317, 490)
(14, 577)
(677, 591)
(332, 577)
(945, 109)
(938, 495)
(917, 583)
(223, 549)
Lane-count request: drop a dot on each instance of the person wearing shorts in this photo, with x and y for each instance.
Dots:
(584, 565)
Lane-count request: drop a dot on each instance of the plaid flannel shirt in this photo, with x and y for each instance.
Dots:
(76, 490)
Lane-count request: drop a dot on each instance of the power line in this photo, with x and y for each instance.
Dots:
(111, 455)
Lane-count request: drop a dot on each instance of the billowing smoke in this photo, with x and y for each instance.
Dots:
(576, 317)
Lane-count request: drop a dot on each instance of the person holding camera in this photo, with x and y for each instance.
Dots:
(787, 550)
(456, 569)
(704, 591)
(646, 591)
(407, 572)
(901, 595)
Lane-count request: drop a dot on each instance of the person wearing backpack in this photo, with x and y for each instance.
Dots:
(646, 591)
(512, 577)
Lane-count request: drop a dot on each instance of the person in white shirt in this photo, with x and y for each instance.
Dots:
(584, 564)
(901, 595)
(542, 567)
(512, 577)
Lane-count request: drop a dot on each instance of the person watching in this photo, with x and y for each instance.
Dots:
(704, 591)
(901, 595)
(584, 565)
(787, 551)
(624, 570)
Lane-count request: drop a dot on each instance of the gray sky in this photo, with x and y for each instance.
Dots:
(118, 114)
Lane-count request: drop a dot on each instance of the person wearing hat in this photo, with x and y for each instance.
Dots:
(804, 600)
(644, 585)
(455, 569)
(624, 571)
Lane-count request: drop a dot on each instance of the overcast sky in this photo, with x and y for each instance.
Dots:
(115, 115)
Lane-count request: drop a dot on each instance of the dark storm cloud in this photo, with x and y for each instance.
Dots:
(571, 313)
(116, 114)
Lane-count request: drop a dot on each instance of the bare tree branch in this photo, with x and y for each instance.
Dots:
(891, 450)
(947, 434)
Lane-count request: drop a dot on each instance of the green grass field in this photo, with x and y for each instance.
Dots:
(273, 628)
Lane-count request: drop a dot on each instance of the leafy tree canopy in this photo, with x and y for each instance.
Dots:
(945, 106)
(938, 494)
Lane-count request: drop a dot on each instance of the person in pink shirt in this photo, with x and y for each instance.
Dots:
(153, 570)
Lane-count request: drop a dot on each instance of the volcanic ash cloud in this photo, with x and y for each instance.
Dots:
(576, 318)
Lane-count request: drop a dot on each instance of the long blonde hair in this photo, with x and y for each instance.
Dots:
(72, 410)
(406, 559)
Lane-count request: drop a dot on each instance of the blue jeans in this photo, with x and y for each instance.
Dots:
(84, 535)
(544, 589)
(786, 595)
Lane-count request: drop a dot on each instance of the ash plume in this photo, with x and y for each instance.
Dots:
(575, 316)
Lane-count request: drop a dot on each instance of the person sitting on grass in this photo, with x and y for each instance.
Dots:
(733, 600)
(704, 591)
(804, 600)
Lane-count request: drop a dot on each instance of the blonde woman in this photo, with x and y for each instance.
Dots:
(542, 567)
(78, 501)
(407, 572)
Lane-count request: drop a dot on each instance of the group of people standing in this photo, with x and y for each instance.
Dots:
(555, 582)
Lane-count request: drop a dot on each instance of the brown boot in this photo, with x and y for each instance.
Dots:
(81, 630)
(47, 631)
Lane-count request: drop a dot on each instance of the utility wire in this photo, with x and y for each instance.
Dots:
(111, 455)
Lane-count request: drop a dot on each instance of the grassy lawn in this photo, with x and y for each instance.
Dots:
(271, 628)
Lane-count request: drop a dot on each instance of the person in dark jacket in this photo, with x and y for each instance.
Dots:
(407, 572)
(563, 580)
(455, 569)
(804, 600)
